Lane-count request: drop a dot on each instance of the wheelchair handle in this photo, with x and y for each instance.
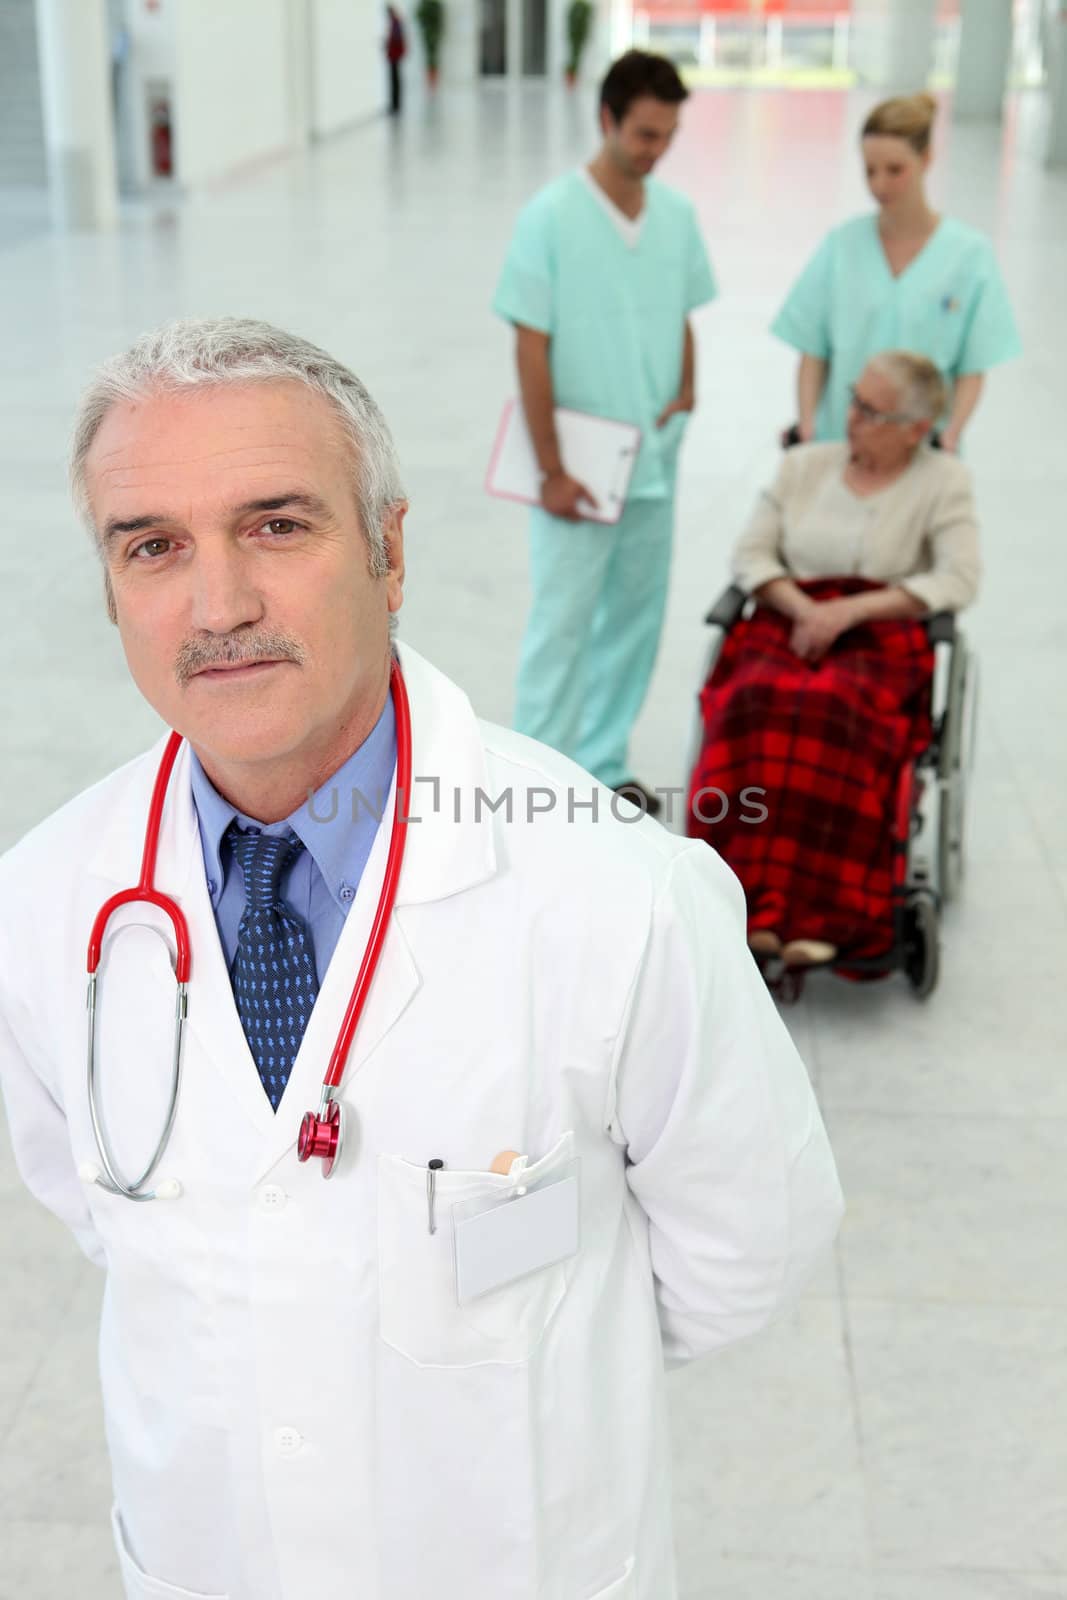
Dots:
(790, 437)
(941, 627)
(727, 608)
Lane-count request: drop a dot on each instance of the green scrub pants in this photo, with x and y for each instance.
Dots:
(595, 621)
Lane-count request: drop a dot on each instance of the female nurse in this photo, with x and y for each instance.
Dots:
(902, 278)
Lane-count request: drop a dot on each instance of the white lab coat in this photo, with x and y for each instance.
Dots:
(296, 1406)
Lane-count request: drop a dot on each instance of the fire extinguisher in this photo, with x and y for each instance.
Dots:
(162, 149)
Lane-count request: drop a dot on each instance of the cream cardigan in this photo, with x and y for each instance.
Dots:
(921, 533)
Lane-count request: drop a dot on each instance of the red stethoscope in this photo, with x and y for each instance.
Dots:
(322, 1131)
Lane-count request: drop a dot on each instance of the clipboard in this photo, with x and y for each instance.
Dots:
(599, 452)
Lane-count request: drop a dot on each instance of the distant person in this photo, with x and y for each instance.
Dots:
(904, 278)
(396, 48)
(604, 269)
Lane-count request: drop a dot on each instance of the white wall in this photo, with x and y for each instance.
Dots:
(232, 80)
(151, 62)
(253, 78)
(348, 75)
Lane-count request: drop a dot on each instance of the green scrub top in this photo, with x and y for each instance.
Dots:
(614, 311)
(949, 304)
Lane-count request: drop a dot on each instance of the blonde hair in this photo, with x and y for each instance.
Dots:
(921, 390)
(909, 117)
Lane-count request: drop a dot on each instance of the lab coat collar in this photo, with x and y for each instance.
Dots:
(442, 857)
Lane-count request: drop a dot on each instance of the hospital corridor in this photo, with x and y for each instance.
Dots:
(899, 1432)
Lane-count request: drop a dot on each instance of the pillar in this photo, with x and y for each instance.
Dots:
(1056, 150)
(893, 44)
(985, 57)
(74, 48)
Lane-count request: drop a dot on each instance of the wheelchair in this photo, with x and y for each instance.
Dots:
(928, 832)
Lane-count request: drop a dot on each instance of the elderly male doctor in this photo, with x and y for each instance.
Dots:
(348, 1389)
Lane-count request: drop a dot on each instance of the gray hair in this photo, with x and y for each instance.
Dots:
(921, 390)
(186, 355)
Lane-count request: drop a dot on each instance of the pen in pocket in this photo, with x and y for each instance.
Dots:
(432, 1169)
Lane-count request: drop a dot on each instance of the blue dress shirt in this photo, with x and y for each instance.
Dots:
(338, 827)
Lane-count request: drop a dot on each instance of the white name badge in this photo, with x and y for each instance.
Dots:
(500, 1239)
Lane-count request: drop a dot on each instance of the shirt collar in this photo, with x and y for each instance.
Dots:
(337, 824)
(631, 227)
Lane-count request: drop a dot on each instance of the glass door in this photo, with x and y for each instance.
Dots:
(534, 38)
(493, 53)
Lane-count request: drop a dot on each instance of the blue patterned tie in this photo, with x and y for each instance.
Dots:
(274, 981)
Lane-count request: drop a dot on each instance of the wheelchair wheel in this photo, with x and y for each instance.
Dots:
(955, 759)
(922, 944)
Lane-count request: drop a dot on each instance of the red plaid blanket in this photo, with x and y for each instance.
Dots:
(825, 743)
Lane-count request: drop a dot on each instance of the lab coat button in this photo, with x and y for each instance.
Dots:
(271, 1198)
(289, 1441)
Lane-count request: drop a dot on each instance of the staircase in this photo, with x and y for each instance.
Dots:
(22, 150)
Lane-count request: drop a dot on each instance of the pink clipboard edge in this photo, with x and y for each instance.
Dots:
(524, 500)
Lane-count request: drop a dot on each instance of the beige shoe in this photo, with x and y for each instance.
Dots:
(764, 942)
(808, 953)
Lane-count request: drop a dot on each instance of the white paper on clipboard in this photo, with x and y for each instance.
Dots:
(598, 452)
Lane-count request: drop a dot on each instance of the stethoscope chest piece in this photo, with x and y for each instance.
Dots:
(322, 1134)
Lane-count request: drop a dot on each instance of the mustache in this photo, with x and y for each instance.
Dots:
(233, 649)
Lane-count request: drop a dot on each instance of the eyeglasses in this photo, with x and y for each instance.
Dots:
(869, 413)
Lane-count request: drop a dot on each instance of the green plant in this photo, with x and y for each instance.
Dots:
(430, 17)
(579, 27)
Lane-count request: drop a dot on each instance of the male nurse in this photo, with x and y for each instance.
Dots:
(604, 271)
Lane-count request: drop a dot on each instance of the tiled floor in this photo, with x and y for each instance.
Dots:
(903, 1436)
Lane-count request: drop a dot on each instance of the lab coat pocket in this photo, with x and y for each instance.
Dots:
(419, 1309)
(137, 1584)
(620, 1588)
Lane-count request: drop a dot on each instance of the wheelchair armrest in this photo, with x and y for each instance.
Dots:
(941, 627)
(727, 608)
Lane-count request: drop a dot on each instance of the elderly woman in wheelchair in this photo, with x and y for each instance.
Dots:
(819, 701)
